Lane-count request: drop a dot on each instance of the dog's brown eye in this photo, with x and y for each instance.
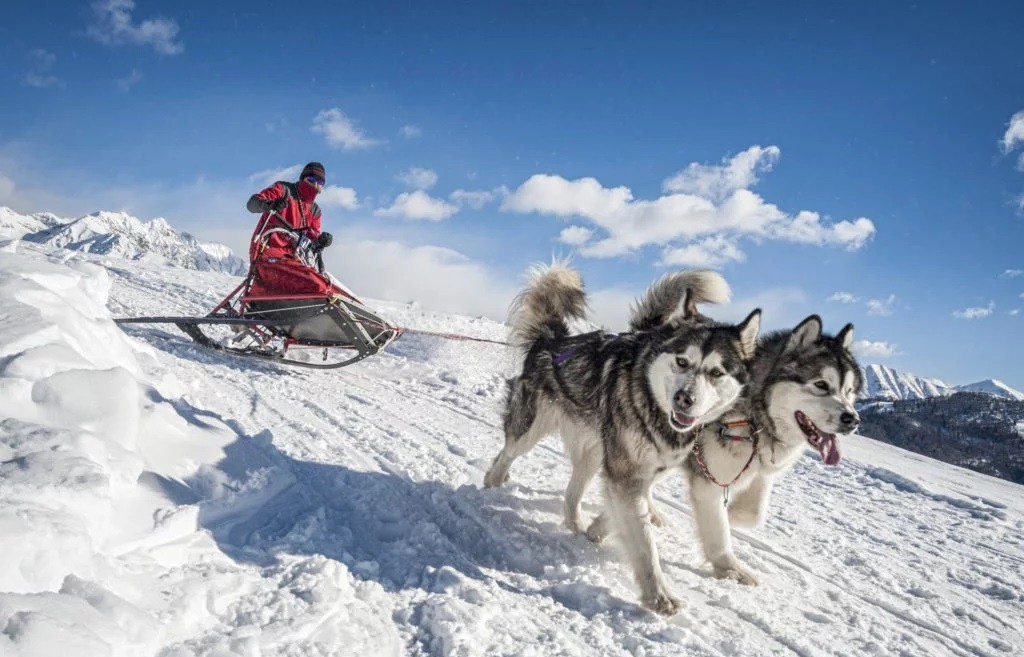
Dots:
(682, 363)
(716, 373)
(821, 385)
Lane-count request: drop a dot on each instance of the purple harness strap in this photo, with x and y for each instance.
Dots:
(568, 353)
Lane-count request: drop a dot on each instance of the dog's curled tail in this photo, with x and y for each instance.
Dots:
(664, 296)
(553, 297)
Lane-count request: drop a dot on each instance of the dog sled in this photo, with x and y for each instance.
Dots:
(331, 325)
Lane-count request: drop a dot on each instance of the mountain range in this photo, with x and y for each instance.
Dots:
(121, 235)
(884, 383)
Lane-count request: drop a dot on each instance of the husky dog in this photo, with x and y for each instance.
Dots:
(629, 402)
(802, 388)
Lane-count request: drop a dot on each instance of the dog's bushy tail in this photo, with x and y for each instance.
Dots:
(553, 297)
(663, 297)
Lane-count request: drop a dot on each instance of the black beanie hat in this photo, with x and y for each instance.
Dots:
(313, 169)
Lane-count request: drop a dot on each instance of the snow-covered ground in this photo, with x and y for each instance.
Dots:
(160, 499)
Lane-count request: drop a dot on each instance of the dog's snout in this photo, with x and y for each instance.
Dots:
(849, 420)
(682, 399)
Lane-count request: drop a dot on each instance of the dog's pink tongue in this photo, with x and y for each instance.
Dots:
(829, 448)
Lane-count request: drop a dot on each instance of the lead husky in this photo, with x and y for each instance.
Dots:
(630, 402)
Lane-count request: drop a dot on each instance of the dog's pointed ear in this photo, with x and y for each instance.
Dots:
(687, 308)
(805, 334)
(845, 337)
(749, 328)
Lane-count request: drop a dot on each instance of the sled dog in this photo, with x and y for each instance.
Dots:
(801, 394)
(628, 404)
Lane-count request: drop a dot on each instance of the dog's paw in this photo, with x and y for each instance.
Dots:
(664, 603)
(495, 479)
(598, 529)
(573, 525)
(736, 573)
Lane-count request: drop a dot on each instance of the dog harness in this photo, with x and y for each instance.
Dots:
(723, 427)
(568, 352)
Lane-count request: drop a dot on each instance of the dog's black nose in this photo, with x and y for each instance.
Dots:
(683, 399)
(849, 420)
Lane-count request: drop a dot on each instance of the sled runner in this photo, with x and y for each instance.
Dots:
(276, 326)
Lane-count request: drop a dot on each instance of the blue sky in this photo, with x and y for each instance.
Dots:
(863, 161)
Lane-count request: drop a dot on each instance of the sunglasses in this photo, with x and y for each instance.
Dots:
(316, 182)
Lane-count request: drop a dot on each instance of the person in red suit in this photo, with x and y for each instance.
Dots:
(274, 255)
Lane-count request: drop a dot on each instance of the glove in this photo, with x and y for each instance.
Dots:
(324, 241)
(276, 205)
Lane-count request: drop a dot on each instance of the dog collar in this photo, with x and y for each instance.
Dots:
(724, 429)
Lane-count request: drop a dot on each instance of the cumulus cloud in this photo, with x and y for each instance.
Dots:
(340, 131)
(679, 219)
(881, 307)
(112, 25)
(575, 235)
(418, 205)
(1014, 312)
(876, 349)
(843, 297)
(410, 131)
(269, 176)
(40, 64)
(1014, 135)
(333, 196)
(1012, 273)
(126, 83)
(474, 199)
(418, 178)
(714, 251)
(976, 312)
(718, 182)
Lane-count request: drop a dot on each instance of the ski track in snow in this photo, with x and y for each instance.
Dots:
(354, 499)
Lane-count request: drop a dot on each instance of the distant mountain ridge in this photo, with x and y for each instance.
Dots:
(885, 383)
(121, 235)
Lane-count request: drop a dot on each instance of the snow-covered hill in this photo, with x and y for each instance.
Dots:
(160, 499)
(121, 235)
(882, 382)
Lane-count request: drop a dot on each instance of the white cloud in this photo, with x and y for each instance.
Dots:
(975, 313)
(418, 205)
(474, 199)
(269, 176)
(1012, 273)
(714, 251)
(575, 235)
(39, 76)
(418, 178)
(127, 82)
(112, 25)
(1014, 135)
(718, 182)
(631, 224)
(1014, 312)
(410, 131)
(881, 307)
(843, 297)
(338, 197)
(877, 349)
(340, 131)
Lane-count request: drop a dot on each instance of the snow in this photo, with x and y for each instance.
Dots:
(160, 499)
(881, 382)
(120, 235)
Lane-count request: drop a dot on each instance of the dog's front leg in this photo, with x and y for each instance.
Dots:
(713, 528)
(749, 507)
(627, 505)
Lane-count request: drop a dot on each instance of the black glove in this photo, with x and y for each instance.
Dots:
(324, 241)
(276, 205)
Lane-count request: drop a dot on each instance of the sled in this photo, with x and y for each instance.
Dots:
(284, 327)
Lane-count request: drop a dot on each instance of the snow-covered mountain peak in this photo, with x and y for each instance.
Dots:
(122, 235)
(882, 382)
(993, 387)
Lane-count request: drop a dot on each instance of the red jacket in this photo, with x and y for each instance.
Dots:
(301, 215)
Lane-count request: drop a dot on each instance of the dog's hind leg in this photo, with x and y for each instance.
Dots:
(586, 454)
(523, 429)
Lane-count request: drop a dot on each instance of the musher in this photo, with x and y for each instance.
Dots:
(276, 255)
